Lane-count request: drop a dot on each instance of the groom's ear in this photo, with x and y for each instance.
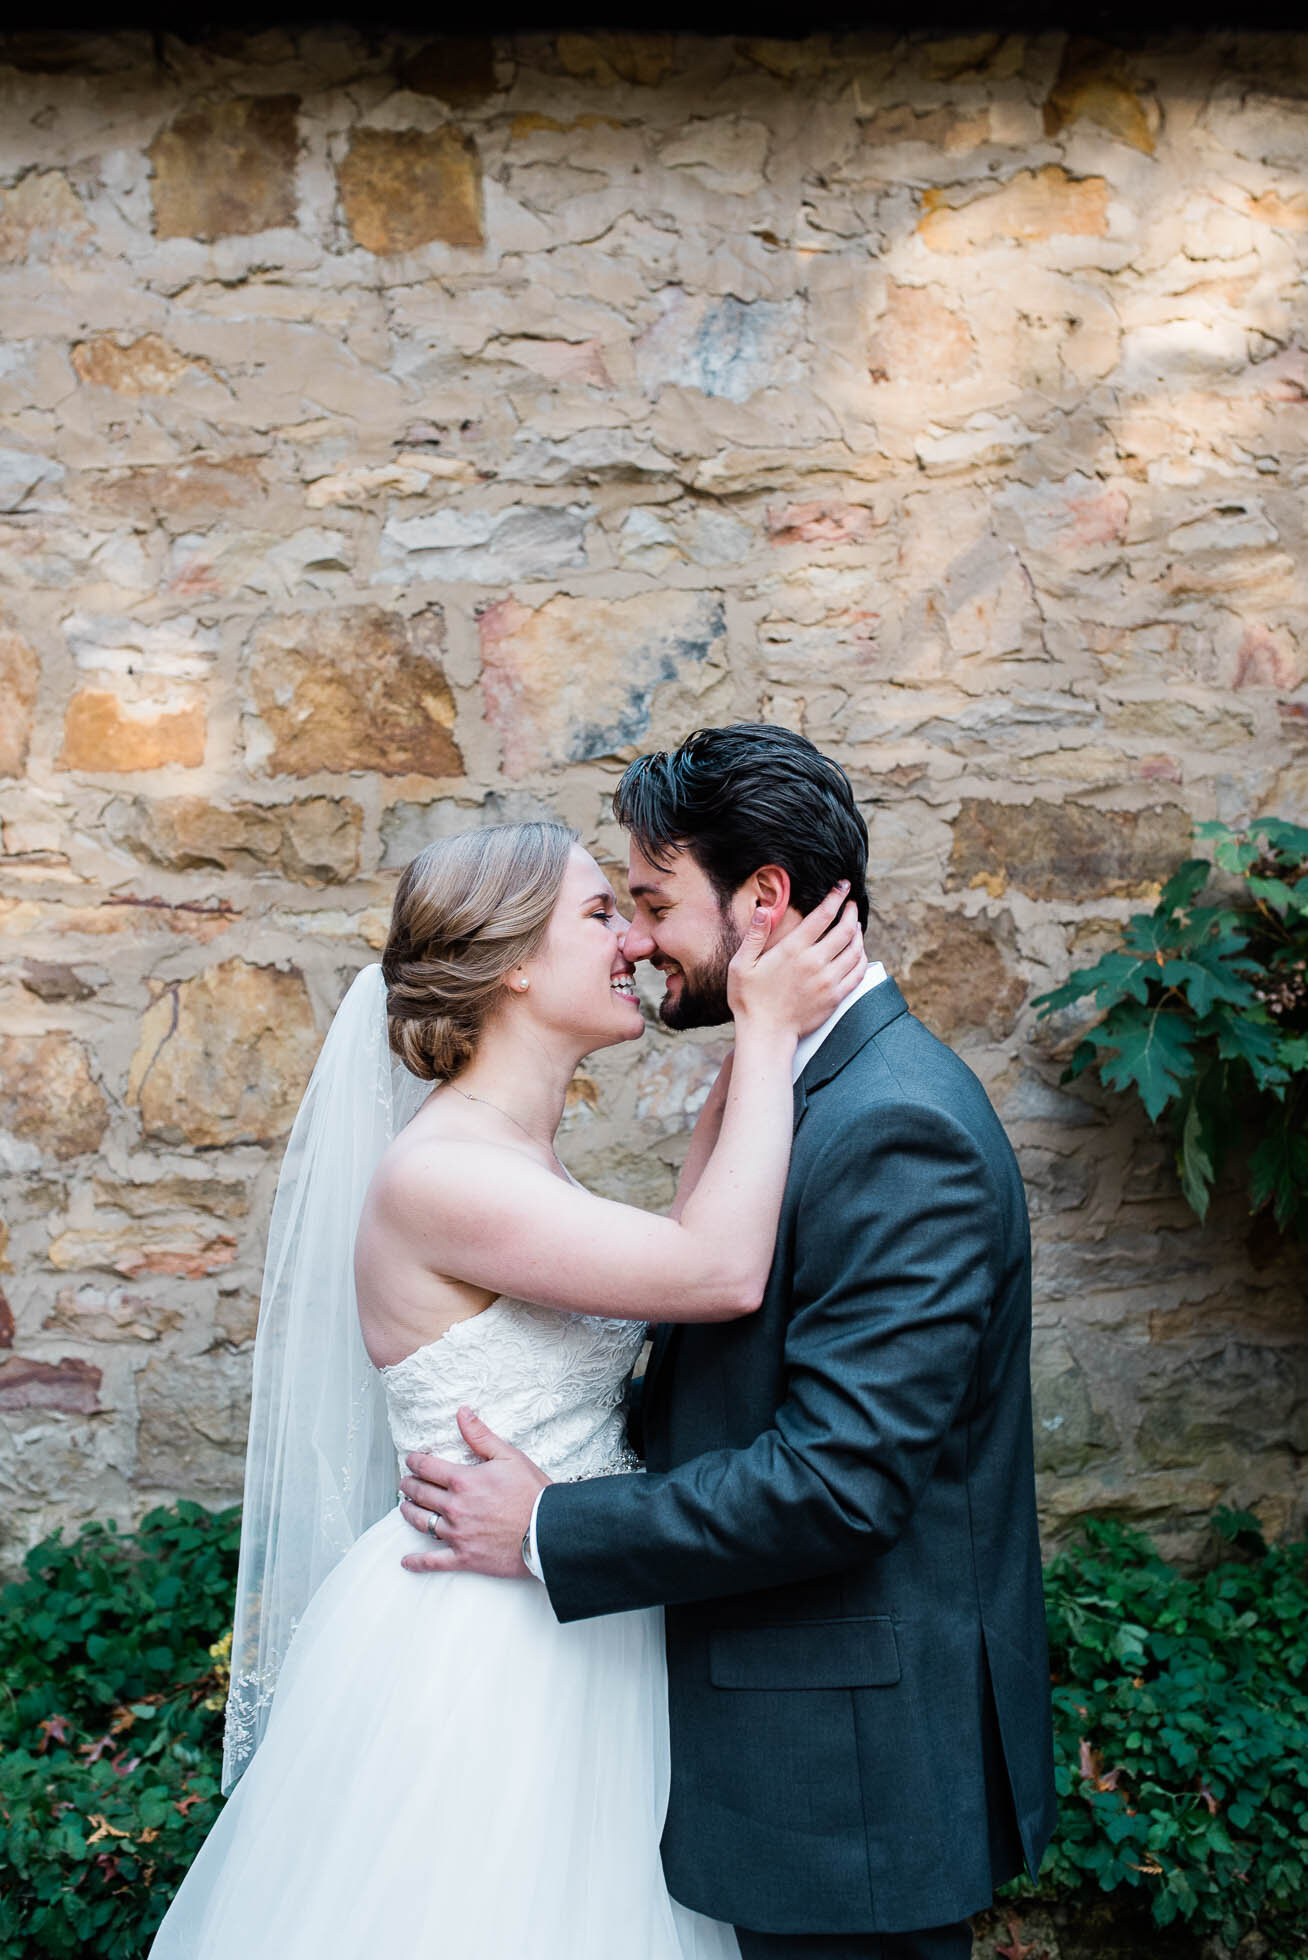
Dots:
(769, 887)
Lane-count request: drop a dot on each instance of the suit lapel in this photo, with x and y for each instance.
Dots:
(866, 1018)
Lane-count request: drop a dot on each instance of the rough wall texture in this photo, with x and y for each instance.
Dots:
(401, 435)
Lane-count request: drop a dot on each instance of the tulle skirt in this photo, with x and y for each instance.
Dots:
(448, 1772)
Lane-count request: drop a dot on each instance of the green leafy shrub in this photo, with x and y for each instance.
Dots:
(1204, 1015)
(1181, 1721)
(110, 1729)
(1181, 1717)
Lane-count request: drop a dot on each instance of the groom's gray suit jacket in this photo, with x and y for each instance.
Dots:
(840, 1517)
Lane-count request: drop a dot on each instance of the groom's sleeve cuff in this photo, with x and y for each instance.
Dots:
(530, 1549)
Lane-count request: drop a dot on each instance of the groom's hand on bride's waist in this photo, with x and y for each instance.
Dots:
(473, 1516)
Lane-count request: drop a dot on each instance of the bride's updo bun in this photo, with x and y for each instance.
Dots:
(467, 910)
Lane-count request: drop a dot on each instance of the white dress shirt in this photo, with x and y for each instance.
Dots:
(804, 1053)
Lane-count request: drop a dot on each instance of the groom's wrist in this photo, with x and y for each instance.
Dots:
(530, 1549)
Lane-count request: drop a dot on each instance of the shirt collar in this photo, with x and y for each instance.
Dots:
(810, 1044)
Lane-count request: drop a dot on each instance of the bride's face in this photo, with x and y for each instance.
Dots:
(581, 982)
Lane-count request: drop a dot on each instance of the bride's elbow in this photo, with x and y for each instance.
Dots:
(736, 1302)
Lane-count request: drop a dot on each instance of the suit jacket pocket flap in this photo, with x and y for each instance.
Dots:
(811, 1654)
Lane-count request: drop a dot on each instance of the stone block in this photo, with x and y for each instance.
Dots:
(224, 1058)
(71, 1386)
(576, 678)
(652, 538)
(961, 983)
(148, 366)
(104, 734)
(1094, 82)
(167, 1249)
(1069, 1431)
(221, 1197)
(314, 841)
(355, 689)
(22, 472)
(97, 1313)
(1065, 850)
(403, 188)
(486, 547)
(226, 170)
(1033, 204)
(193, 1415)
(20, 675)
(727, 348)
(50, 1104)
(642, 59)
(457, 69)
(1054, 1182)
(182, 495)
(1236, 1399)
(918, 338)
(726, 154)
(942, 128)
(673, 1078)
(822, 521)
(43, 217)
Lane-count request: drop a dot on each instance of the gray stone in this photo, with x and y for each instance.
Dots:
(491, 548)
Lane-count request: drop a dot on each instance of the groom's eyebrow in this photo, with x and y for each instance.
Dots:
(646, 891)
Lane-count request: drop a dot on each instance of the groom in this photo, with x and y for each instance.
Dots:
(839, 1514)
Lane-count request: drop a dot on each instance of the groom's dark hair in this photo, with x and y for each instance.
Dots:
(746, 795)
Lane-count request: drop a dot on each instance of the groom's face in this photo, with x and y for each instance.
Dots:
(681, 927)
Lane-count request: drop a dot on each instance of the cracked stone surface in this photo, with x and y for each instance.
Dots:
(401, 433)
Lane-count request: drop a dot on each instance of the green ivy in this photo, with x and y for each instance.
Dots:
(110, 1730)
(1181, 1725)
(1180, 1702)
(1203, 1014)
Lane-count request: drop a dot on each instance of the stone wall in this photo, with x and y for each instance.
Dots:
(401, 435)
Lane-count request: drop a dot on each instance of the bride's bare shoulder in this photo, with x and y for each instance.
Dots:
(442, 1164)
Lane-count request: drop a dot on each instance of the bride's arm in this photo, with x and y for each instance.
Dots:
(532, 1237)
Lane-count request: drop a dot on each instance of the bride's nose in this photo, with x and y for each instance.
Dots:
(635, 942)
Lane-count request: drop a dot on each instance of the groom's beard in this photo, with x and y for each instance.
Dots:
(701, 1001)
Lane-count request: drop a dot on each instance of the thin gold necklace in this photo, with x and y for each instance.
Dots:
(488, 1104)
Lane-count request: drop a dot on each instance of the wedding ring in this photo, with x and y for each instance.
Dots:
(431, 1525)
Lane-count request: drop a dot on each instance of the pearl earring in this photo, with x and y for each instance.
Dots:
(522, 986)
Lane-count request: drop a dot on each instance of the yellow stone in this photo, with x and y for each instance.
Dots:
(106, 735)
(403, 188)
(226, 170)
(19, 676)
(148, 366)
(358, 689)
(1044, 203)
(49, 1099)
(223, 1058)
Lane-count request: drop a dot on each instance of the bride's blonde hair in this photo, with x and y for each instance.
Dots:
(467, 910)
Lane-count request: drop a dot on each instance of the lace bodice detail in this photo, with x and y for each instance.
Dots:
(551, 1383)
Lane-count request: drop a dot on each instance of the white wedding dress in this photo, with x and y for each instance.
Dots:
(448, 1773)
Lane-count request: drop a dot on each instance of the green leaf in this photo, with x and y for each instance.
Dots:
(1205, 981)
(1184, 885)
(1291, 839)
(1293, 1053)
(1110, 979)
(1195, 1162)
(1252, 1038)
(1276, 893)
(1153, 1054)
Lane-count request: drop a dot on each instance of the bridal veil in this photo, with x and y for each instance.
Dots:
(320, 1468)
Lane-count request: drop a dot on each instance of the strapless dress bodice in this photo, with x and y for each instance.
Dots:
(553, 1384)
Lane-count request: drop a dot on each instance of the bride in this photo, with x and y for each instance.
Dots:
(444, 1770)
